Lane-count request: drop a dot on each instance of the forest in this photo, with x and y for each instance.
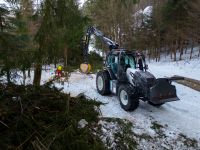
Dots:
(41, 110)
(34, 33)
(167, 26)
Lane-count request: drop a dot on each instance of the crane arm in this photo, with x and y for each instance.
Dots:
(93, 31)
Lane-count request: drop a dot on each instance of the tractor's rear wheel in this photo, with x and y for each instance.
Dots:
(103, 82)
(128, 97)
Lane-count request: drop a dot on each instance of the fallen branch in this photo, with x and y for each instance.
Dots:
(26, 140)
(37, 144)
(38, 108)
(4, 124)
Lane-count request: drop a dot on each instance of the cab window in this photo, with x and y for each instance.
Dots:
(129, 61)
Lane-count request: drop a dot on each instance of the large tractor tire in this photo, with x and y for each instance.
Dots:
(128, 97)
(103, 82)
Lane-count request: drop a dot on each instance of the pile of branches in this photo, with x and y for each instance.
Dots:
(44, 118)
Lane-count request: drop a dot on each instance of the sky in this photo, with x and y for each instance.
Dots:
(82, 2)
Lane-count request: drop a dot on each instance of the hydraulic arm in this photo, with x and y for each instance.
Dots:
(85, 67)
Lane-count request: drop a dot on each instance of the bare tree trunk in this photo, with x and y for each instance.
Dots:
(65, 57)
(55, 63)
(37, 74)
(186, 46)
(158, 54)
(165, 51)
(199, 52)
(174, 49)
(29, 72)
(24, 77)
(8, 75)
(181, 50)
(174, 55)
(171, 50)
(45, 67)
(192, 47)
(149, 54)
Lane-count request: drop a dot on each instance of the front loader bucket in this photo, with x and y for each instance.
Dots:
(163, 92)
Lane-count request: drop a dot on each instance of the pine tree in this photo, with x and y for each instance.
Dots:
(60, 32)
(11, 42)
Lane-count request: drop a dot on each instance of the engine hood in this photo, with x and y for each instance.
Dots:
(137, 76)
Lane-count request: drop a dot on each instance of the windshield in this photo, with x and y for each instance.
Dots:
(129, 60)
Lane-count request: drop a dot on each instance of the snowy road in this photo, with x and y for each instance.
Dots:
(180, 116)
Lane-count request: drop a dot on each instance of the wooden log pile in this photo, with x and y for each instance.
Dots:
(192, 83)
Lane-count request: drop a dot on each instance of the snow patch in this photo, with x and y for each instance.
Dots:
(148, 11)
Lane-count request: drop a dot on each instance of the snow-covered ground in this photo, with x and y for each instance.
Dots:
(47, 73)
(186, 68)
(177, 117)
(182, 116)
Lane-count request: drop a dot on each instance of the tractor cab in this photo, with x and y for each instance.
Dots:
(118, 62)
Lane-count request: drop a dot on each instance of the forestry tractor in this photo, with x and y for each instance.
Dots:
(125, 75)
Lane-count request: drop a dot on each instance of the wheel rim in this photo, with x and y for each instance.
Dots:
(100, 83)
(124, 97)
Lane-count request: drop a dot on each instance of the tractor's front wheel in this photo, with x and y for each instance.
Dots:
(103, 82)
(128, 97)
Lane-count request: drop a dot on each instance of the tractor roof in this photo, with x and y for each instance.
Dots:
(117, 51)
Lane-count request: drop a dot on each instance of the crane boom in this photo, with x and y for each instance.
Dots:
(85, 67)
(94, 31)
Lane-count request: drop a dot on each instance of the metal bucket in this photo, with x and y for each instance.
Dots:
(163, 92)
